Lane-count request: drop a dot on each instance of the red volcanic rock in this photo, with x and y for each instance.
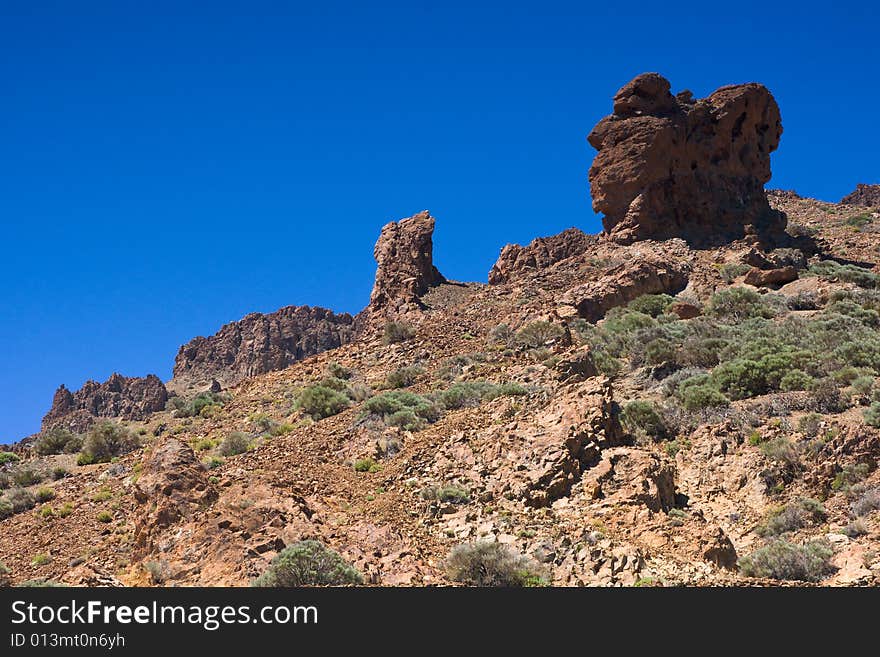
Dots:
(261, 343)
(405, 266)
(762, 278)
(127, 398)
(644, 274)
(516, 260)
(684, 310)
(670, 166)
(867, 196)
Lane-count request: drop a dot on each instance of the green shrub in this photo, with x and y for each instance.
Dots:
(792, 516)
(204, 404)
(44, 495)
(308, 563)
(850, 475)
(731, 270)
(41, 582)
(41, 560)
(831, 270)
(809, 424)
(366, 465)
(403, 377)
(737, 303)
(469, 393)
(407, 420)
(859, 221)
(59, 472)
(782, 560)
(863, 385)
(27, 475)
(8, 457)
(235, 443)
(651, 304)
(54, 441)
(795, 380)
(397, 332)
(320, 402)
(391, 404)
(492, 564)
(867, 502)
(660, 351)
(449, 493)
(6, 509)
(538, 334)
(699, 397)
(104, 516)
(872, 415)
(781, 450)
(106, 440)
(740, 378)
(641, 417)
(338, 371)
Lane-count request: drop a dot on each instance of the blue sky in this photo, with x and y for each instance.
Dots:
(168, 167)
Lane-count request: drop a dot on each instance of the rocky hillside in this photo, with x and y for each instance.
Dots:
(689, 397)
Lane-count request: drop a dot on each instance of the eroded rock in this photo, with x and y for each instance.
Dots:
(670, 166)
(516, 261)
(866, 196)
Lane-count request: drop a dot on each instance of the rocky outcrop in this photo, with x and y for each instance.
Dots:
(671, 166)
(172, 485)
(126, 398)
(516, 261)
(261, 343)
(644, 274)
(405, 265)
(763, 278)
(866, 196)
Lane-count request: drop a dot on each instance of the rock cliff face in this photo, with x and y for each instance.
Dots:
(516, 260)
(405, 265)
(671, 166)
(127, 398)
(261, 343)
(867, 196)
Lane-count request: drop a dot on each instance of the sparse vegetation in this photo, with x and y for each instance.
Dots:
(782, 560)
(453, 493)
(44, 495)
(8, 457)
(308, 563)
(539, 334)
(366, 465)
(641, 418)
(792, 517)
(104, 516)
(235, 443)
(57, 440)
(205, 404)
(397, 332)
(319, 402)
(403, 377)
(485, 563)
(106, 440)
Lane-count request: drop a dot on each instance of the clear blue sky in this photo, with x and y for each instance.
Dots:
(168, 167)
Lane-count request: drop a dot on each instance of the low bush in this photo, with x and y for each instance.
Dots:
(202, 405)
(56, 441)
(338, 371)
(538, 334)
(486, 563)
(104, 516)
(308, 563)
(8, 457)
(403, 377)
(44, 495)
(792, 517)
(397, 332)
(319, 402)
(403, 408)
(831, 270)
(651, 304)
(235, 443)
(782, 560)
(106, 440)
(641, 418)
(867, 501)
(366, 465)
(737, 303)
(27, 475)
(449, 493)
(20, 499)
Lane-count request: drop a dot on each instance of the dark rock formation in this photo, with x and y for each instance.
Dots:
(643, 274)
(405, 265)
(670, 166)
(126, 398)
(866, 196)
(516, 260)
(261, 343)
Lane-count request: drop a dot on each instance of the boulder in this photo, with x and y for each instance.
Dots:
(671, 166)
(765, 277)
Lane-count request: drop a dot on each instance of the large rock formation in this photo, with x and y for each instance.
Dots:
(126, 398)
(866, 196)
(261, 343)
(405, 265)
(645, 273)
(516, 260)
(671, 166)
(172, 485)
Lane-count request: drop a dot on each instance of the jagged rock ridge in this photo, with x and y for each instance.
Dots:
(128, 398)
(542, 252)
(866, 196)
(671, 166)
(260, 343)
